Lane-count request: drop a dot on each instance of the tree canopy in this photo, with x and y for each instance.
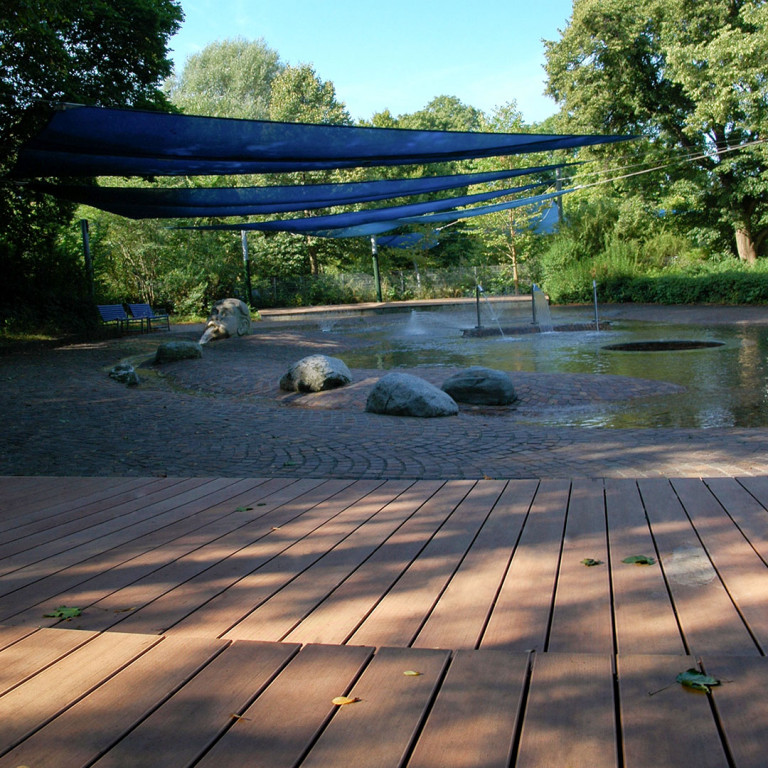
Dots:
(688, 76)
(98, 53)
(228, 78)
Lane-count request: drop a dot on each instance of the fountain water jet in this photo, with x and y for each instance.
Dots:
(541, 314)
(481, 292)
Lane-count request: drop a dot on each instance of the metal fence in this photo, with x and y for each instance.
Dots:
(357, 287)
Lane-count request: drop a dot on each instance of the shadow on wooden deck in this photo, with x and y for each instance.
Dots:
(221, 617)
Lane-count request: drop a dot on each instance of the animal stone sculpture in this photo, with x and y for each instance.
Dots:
(229, 317)
(401, 394)
(316, 373)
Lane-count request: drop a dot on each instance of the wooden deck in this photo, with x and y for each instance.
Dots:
(220, 618)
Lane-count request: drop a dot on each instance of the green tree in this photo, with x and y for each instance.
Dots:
(444, 113)
(300, 96)
(690, 78)
(98, 53)
(228, 78)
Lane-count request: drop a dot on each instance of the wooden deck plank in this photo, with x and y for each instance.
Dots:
(11, 635)
(644, 616)
(399, 616)
(80, 502)
(570, 713)
(288, 716)
(292, 521)
(148, 514)
(390, 703)
(345, 584)
(468, 725)
(520, 618)
(26, 498)
(719, 628)
(87, 516)
(35, 702)
(582, 617)
(202, 710)
(163, 497)
(85, 582)
(745, 502)
(230, 591)
(342, 552)
(741, 703)
(460, 616)
(35, 652)
(124, 606)
(664, 724)
(92, 725)
(744, 574)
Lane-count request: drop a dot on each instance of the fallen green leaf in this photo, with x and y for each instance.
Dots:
(696, 680)
(243, 509)
(589, 562)
(639, 560)
(62, 612)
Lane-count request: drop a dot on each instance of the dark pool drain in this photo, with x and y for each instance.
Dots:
(662, 346)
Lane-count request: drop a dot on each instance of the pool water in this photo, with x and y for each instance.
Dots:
(725, 386)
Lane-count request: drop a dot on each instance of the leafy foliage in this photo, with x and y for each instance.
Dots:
(638, 560)
(228, 78)
(690, 78)
(62, 612)
(696, 680)
(98, 53)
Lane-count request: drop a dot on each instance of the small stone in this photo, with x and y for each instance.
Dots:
(125, 374)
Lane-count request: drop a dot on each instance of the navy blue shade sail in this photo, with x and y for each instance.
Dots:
(152, 203)
(310, 224)
(370, 229)
(97, 141)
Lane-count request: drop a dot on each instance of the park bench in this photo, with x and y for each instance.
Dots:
(114, 315)
(145, 314)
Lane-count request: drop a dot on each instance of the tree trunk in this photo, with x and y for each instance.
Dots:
(745, 245)
(513, 253)
(312, 248)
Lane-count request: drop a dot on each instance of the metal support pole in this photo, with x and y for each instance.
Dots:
(559, 198)
(376, 274)
(533, 303)
(594, 293)
(477, 303)
(247, 264)
(87, 255)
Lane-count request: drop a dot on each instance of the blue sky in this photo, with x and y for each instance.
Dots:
(397, 54)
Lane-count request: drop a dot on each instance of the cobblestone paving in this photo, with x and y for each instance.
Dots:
(225, 416)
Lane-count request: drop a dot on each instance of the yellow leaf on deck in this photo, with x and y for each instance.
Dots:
(412, 673)
(340, 701)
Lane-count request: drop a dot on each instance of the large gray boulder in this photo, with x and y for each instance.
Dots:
(401, 394)
(316, 373)
(480, 386)
(177, 350)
